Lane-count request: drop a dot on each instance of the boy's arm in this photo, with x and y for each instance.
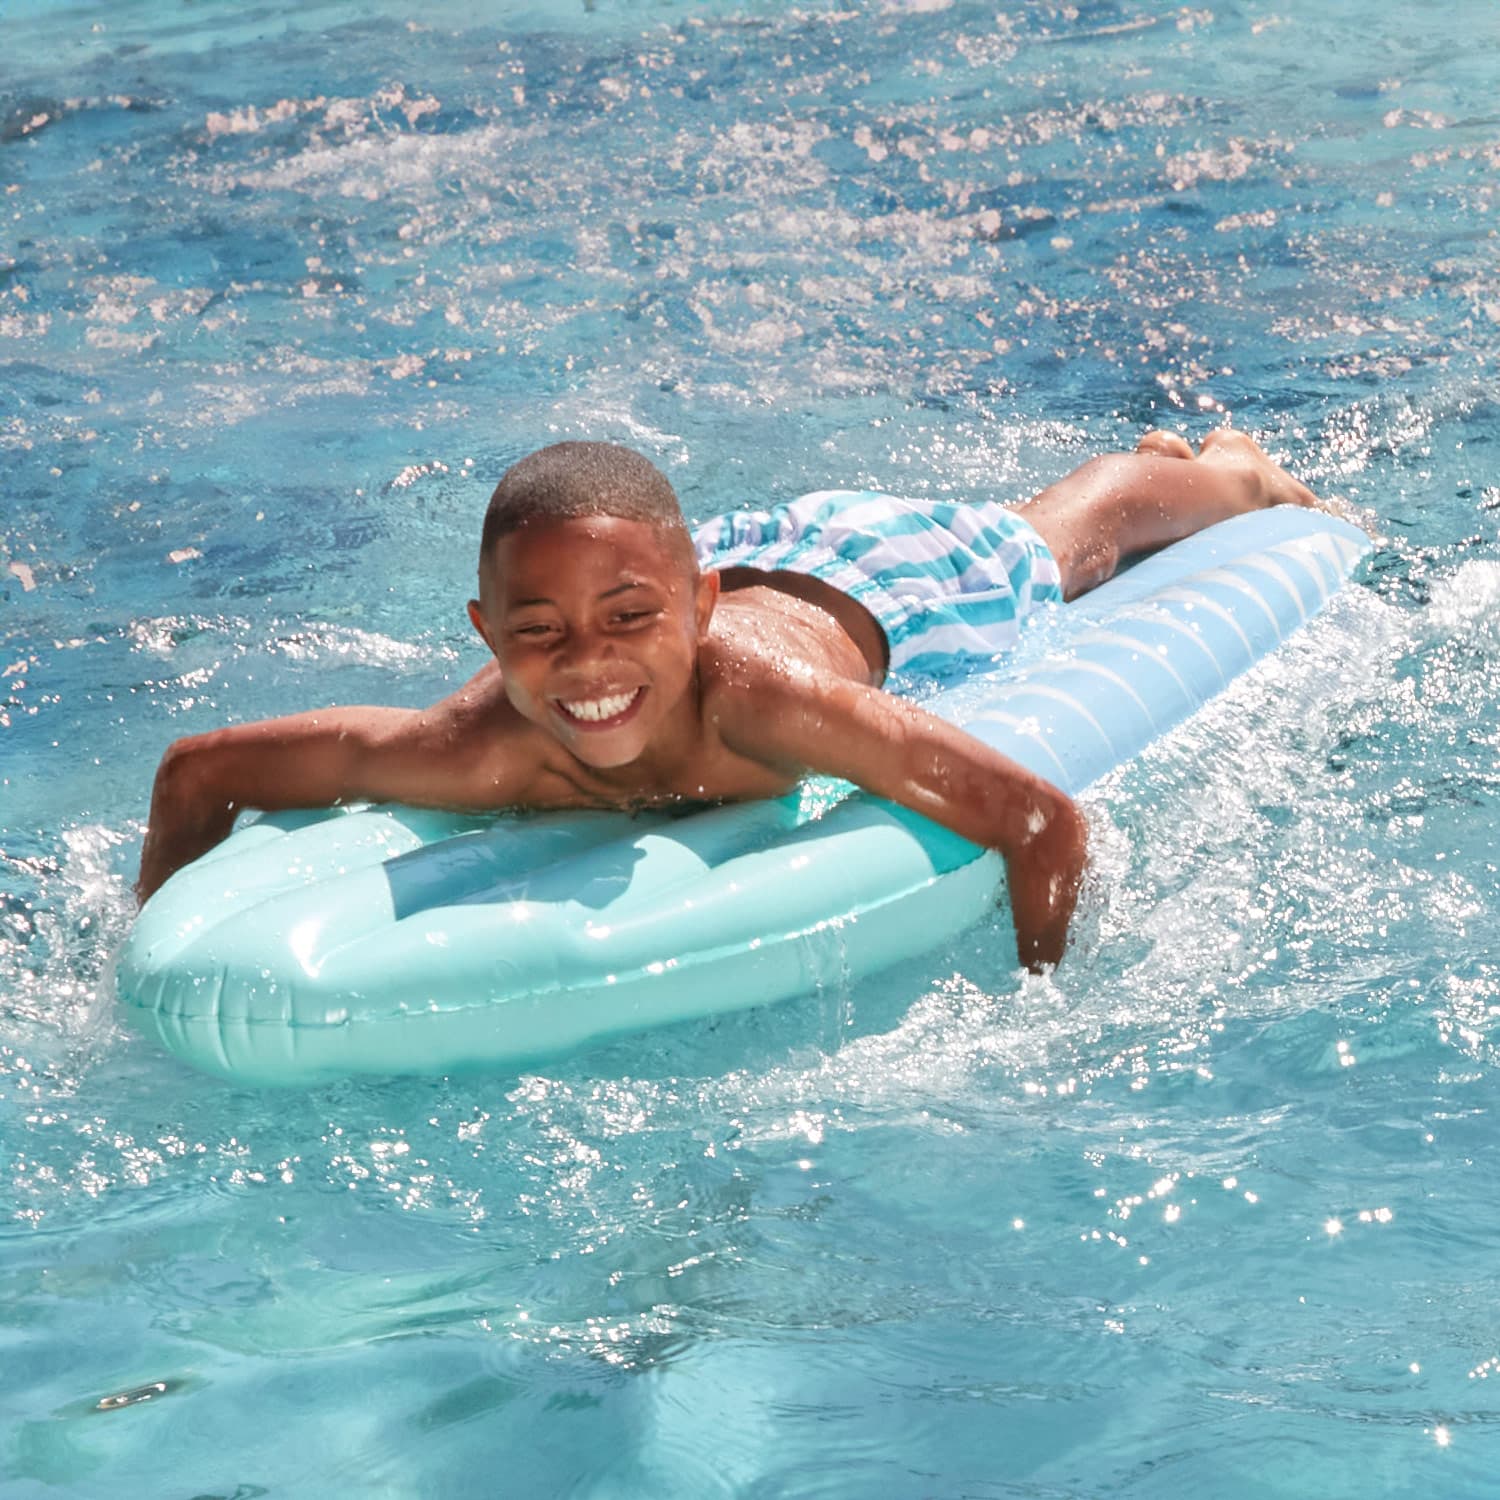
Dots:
(308, 760)
(899, 751)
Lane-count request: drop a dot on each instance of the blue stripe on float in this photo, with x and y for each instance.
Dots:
(1349, 550)
(1074, 739)
(1119, 692)
(1252, 618)
(1070, 701)
(1196, 596)
(1316, 559)
(1333, 557)
(1099, 643)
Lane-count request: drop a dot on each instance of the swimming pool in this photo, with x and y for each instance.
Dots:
(1213, 1211)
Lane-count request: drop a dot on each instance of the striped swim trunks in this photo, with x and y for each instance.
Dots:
(944, 578)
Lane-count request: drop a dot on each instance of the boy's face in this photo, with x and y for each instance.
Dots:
(596, 624)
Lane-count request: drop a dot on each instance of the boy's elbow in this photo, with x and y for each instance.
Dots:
(1066, 818)
(1066, 832)
(189, 776)
(1046, 818)
(189, 811)
(183, 762)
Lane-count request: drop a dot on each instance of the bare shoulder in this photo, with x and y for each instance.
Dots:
(471, 748)
(790, 711)
(759, 695)
(479, 705)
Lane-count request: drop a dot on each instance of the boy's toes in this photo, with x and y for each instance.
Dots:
(1168, 444)
(1229, 442)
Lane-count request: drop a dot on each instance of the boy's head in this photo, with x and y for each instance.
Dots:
(567, 481)
(591, 600)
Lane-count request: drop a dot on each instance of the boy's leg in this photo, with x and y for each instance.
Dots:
(1124, 503)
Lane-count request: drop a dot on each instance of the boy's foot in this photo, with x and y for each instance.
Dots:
(1230, 449)
(1270, 484)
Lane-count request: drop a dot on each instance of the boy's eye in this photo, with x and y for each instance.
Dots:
(534, 632)
(640, 612)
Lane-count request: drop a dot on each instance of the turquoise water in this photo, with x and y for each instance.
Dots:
(1213, 1211)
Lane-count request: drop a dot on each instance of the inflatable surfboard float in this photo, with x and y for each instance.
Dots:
(386, 940)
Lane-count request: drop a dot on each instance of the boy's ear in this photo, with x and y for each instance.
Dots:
(708, 596)
(478, 621)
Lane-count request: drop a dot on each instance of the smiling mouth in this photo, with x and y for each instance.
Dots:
(599, 713)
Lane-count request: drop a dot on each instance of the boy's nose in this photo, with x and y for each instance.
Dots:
(582, 648)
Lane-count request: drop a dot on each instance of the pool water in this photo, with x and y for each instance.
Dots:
(1212, 1211)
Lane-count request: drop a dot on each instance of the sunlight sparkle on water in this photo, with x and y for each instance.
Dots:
(935, 246)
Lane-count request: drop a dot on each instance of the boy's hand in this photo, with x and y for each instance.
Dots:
(1044, 878)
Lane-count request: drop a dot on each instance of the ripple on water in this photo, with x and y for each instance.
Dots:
(1112, 1231)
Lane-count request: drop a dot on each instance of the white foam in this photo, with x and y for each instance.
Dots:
(1467, 605)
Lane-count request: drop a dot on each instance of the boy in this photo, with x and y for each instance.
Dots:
(627, 675)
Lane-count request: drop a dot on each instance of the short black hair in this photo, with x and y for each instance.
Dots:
(566, 481)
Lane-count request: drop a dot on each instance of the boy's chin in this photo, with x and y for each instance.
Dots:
(603, 750)
(599, 757)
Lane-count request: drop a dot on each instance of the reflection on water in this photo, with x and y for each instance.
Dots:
(1208, 1211)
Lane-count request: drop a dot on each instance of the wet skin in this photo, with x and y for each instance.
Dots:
(618, 666)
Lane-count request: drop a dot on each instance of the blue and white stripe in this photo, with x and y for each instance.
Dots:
(946, 579)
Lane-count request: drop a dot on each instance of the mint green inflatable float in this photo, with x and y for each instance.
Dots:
(390, 940)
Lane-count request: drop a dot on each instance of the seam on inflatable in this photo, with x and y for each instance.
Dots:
(1019, 727)
(1192, 598)
(1276, 566)
(1245, 588)
(1120, 638)
(1098, 669)
(1062, 696)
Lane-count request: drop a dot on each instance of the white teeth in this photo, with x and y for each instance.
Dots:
(592, 710)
